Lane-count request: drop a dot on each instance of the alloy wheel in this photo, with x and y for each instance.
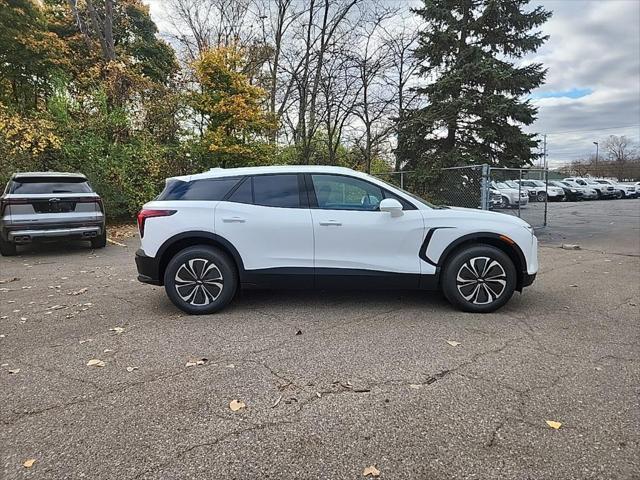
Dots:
(199, 282)
(481, 280)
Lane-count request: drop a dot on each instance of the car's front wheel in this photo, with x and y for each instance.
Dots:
(479, 279)
(200, 280)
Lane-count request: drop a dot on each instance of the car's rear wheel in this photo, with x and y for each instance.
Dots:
(100, 241)
(479, 279)
(7, 249)
(200, 280)
(541, 197)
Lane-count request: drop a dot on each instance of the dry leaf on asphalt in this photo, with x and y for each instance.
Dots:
(29, 463)
(202, 361)
(117, 330)
(9, 280)
(191, 364)
(14, 371)
(453, 343)
(79, 292)
(277, 402)
(554, 425)
(415, 386)
(371, 471)
(131, 369)
(236, 405)
(113, 242)
(94, 362)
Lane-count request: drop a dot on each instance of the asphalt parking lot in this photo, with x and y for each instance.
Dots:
(332, 382)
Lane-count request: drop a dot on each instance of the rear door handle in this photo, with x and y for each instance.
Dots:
(331, 223)
(233, 220)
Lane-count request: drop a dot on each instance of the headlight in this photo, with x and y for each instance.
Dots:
(573, 191)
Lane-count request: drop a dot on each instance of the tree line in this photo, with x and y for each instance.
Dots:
(91, 86)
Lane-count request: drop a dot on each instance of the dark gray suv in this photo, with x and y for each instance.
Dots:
(50, 205)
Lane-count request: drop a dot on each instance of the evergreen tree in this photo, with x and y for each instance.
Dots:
(474, 88)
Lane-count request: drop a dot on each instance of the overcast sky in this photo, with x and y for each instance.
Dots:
(593, 83)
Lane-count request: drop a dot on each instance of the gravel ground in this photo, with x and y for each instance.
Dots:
(332, 382)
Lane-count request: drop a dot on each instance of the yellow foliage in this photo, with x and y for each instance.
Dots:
(30, 136)
(234, 108)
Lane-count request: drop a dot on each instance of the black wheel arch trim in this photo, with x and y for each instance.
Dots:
(194, 234)
(513, 247)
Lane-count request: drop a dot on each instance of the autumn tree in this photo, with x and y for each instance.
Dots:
(237, 124)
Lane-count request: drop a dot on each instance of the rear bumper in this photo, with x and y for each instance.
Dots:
(528, 279)
(26, 234)
(148, 268)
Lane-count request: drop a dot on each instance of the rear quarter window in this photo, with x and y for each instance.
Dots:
(211, 189)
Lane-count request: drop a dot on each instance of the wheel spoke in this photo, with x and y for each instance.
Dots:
(481, 280)
(199, 282)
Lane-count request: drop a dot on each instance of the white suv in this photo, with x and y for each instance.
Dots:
(209, 234)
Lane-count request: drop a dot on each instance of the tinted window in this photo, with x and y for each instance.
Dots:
(276, 191)
(53, 186)
(242, 194)
(205, 189)
(334, 192)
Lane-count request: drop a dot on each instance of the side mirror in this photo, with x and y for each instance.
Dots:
(391, 205)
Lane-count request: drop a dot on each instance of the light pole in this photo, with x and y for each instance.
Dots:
(596, 166)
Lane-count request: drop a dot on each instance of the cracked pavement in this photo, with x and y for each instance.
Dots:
(370, 380)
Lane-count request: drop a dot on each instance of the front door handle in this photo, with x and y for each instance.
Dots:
(233, 220)
(331, 223)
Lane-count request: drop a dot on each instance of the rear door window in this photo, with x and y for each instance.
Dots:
(280, 190)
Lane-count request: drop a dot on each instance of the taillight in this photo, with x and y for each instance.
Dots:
(11, 201)
(145, 213)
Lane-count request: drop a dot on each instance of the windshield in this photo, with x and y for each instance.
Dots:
(604, 182)
(511, 184)
(500, 185)
(539, 183)
(50, 186)
(415, 197)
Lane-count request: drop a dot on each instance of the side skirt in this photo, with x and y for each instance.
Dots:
(336, 278)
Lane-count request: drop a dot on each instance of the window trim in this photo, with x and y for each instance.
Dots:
(313, 199)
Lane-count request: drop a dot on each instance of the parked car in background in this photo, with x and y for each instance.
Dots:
(602, 191)
(538, 191)
(495, 198)
(511, 197)
(571, 194)
(39, 206)
(207, 235)
(622, 190)
(588, 193)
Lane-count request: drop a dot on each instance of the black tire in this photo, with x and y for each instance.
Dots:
(197, 297)
(100, 241)
(473, 297)
(620, 195)
(7, 249)
(505, 202)
(541, 196)
(599, 195)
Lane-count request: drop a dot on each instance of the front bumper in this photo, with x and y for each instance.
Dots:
(148, 268)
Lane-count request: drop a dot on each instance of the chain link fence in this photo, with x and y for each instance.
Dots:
(522, 192)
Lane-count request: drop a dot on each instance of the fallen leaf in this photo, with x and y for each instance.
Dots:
(94, 362)
(202, 361)
(77, 292)
(131, 369)
(569, 246)
(115, 243)
(453, 343)
(573, 285)
(29, 463)
(9, 280)
(299, 332)
(318, 394)
(191, 364)
(14, 371)
(277, 402)
(107, 350)
(371, 471)
(117, 330)
(236, 405)
(415, 386)
(554, 425)
(85, 341)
